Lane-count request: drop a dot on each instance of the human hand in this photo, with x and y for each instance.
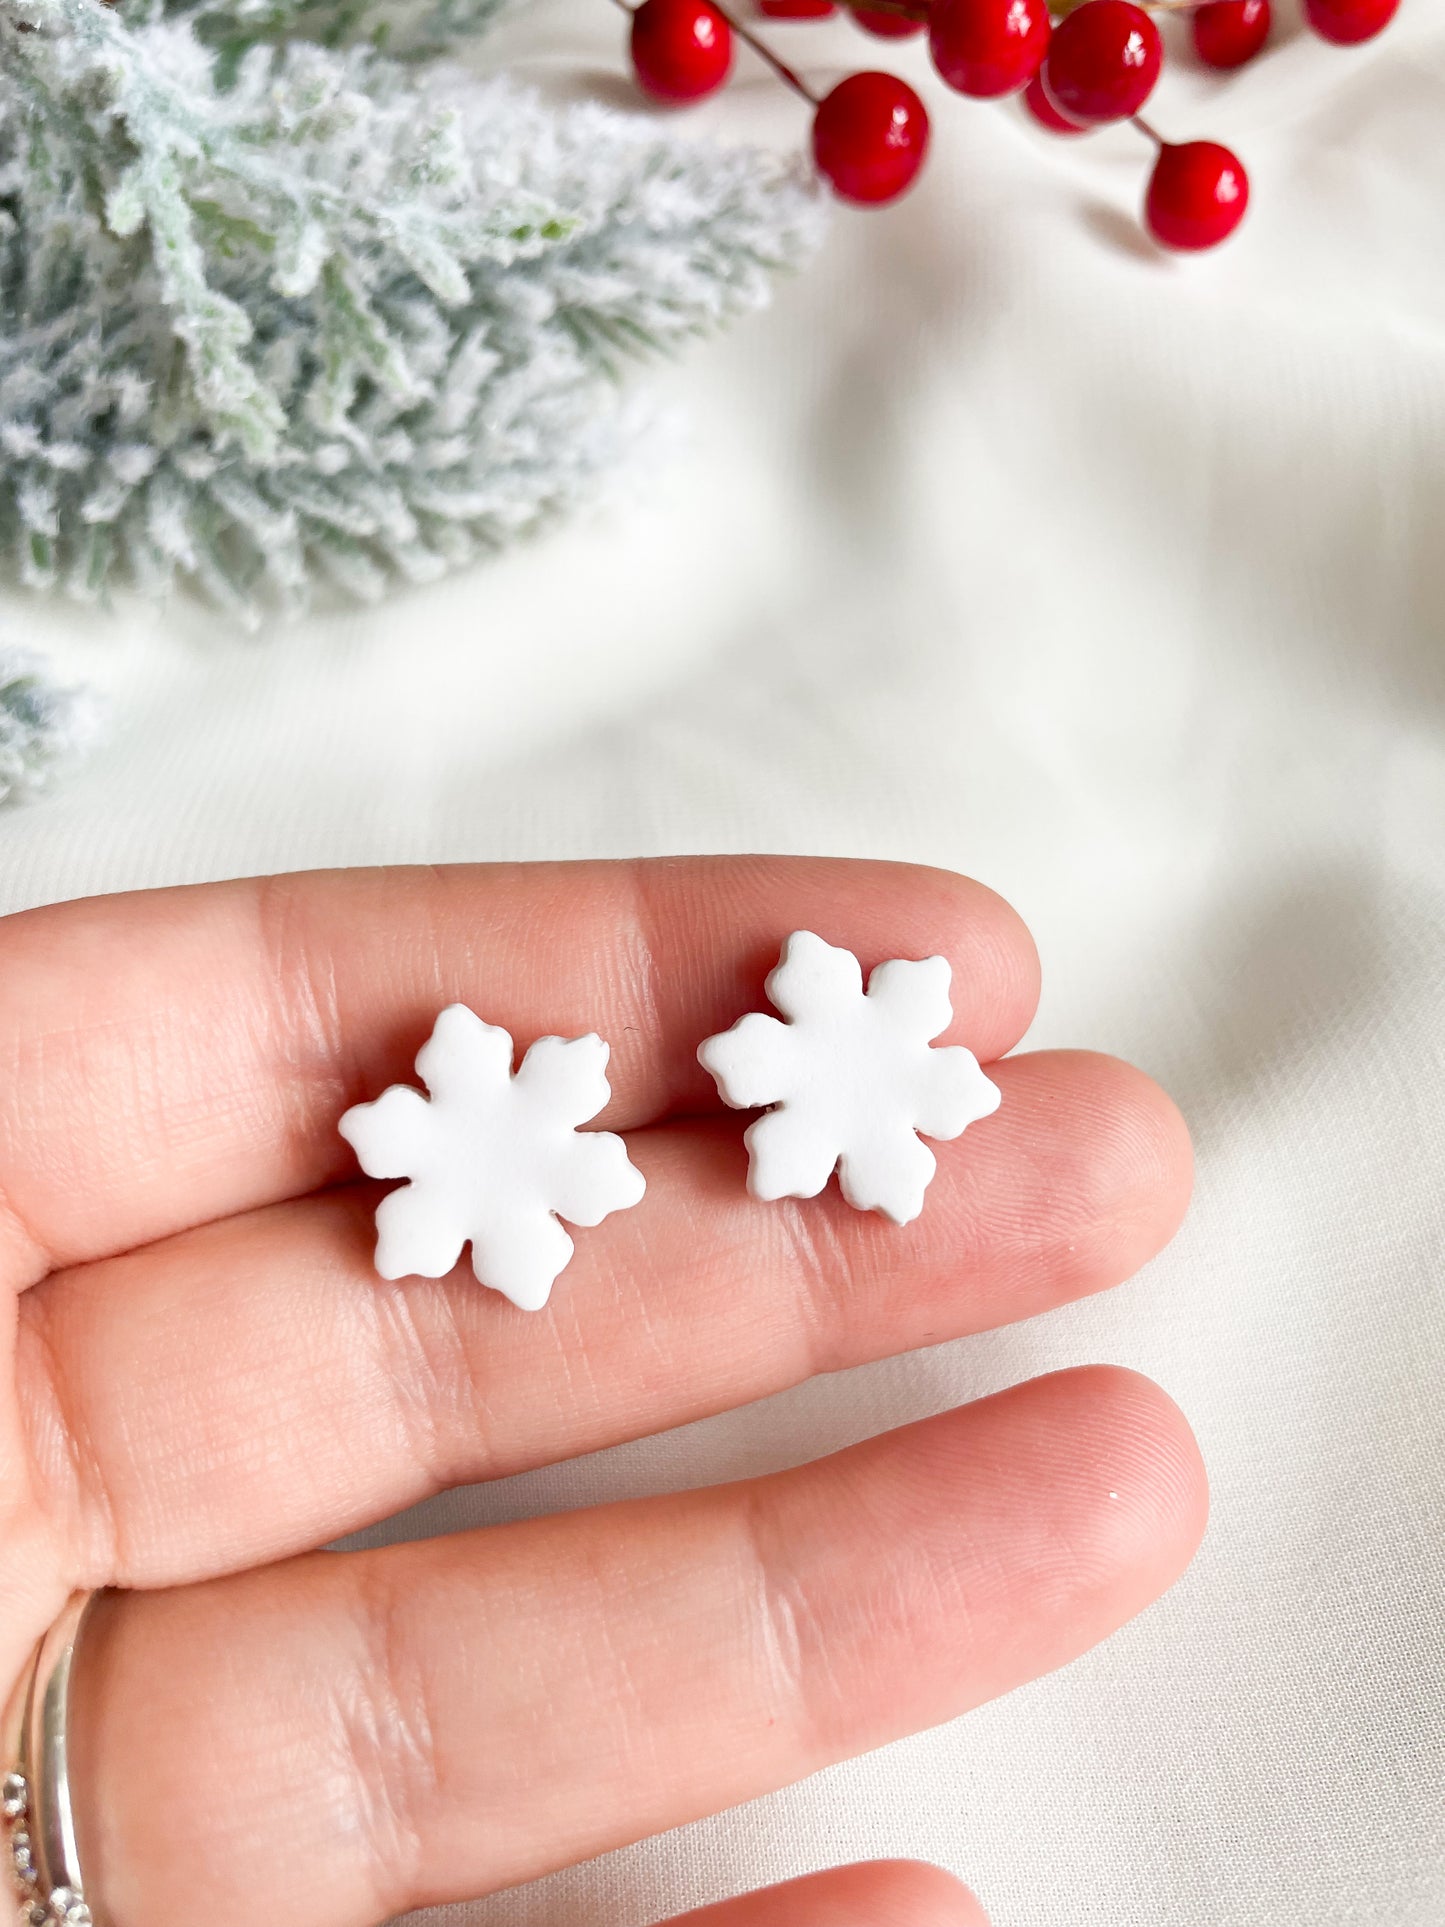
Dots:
(208, 1381)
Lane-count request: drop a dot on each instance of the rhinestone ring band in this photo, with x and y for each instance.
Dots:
(35, 1796)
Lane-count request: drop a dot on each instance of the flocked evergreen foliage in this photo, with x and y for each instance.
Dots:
(274, 302)
(43, 723)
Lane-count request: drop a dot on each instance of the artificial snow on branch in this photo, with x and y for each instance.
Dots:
(43, 724)
(412, 29)
(273, 309)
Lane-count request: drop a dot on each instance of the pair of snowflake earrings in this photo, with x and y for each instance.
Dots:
(496, 1157)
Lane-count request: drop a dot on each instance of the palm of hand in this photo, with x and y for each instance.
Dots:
(205, 1382)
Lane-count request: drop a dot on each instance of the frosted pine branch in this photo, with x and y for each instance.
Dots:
(410, 28)
(43, 724)
(327, 312)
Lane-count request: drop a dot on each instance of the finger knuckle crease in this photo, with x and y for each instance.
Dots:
(646, 972)
(786, 1631)
(819, 1266)
(430, 1380)
(71, 1478)
(310, 1038)
(390, 1739)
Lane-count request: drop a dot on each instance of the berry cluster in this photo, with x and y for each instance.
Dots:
(1078, 64)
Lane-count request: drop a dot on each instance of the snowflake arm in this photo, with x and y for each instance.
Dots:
(888, 1173)
(566, 1078)
(391, 1136)
(812, 976)
(411, 1241)
(912, 998)
(788, 1156)
(493, 1158)
(594, 1178)
(751, 1063)
(522, 1257)
(951, 1092)
(853, 1077)
(463, 1055)
(566, 1074)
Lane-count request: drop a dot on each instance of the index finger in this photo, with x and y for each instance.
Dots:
(173, 1056)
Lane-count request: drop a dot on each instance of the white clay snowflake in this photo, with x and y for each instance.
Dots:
(494, 1158)
(852, 1077)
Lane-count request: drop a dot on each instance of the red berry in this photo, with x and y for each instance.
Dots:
(681, 49)
(1045, 112)
(1197, 195)
(796, 9)
(886, 26)
(869, 137)
(988, 47)
(1347, 22)
(1229, 32)
(1103, 62)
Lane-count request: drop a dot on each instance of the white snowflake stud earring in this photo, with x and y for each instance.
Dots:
(494, 1157)
(852, 1078)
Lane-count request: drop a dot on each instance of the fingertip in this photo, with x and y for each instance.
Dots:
(1163, 1151)
(914, 1893)
(1134, 1479)
(1118, 1170)
(992, 1544)
(1145, 1160)
(872, 1893)
(996, 968)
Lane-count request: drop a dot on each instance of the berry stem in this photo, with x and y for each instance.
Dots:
(918, 10)
(1060, 9)
(765, 53)
(759, 47)
(1145, 129)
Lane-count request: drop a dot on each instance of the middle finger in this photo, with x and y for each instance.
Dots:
(251, 1388)
(338, 1738)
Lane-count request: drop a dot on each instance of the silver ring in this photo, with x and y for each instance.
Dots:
(35, 1796)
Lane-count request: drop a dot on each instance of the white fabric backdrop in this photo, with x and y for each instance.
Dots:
(1118, 582)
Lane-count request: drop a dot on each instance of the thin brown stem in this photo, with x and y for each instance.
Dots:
(759, 47)
(1061, 8)
(918, 10)
(765, 53)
